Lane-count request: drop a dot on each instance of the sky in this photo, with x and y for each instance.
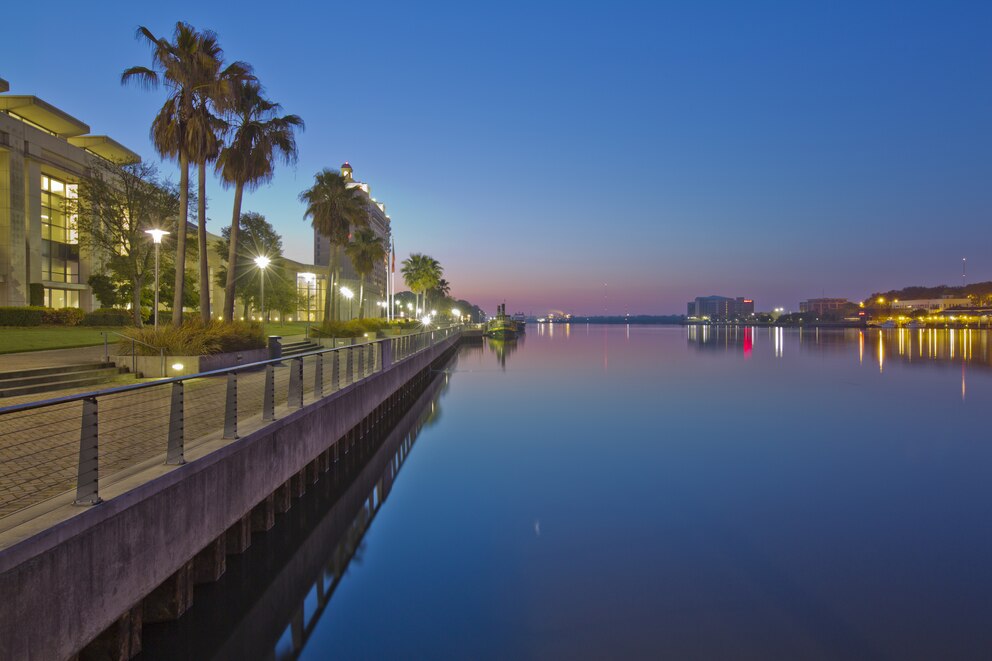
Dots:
(591, 157)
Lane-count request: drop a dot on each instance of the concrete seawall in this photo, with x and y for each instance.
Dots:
(135, 557)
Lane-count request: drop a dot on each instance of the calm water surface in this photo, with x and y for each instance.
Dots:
(645, 492)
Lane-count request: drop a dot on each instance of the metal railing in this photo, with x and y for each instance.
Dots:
(51, 446)
(134, 359)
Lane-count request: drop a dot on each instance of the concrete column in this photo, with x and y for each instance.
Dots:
(118, 642)
(298, 484)
(32, 191)
(211, 563)
(263, 515)
(172, 598)
(282, 498)
(238, 536)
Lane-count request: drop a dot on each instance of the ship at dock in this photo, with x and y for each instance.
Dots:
(502, 326)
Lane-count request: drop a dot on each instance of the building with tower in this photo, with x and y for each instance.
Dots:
(379, 222)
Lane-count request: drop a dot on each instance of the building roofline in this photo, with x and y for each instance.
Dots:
(4, 85)
(44, 114)
(105, 147)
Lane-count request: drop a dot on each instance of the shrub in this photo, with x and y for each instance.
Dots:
(62, 316)
(107, 317)
(194, 338)
(22, 316)
(353, 328)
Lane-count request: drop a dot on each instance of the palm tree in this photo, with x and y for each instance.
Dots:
(260, 138)
(365, 251)
(190, 68)
(214, 97)
(421, 273)
(175, 64)
(333, 208)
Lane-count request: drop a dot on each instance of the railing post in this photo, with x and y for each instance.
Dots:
(386, 358)
(174, 452)
(361, 363)
(269, 398)
(231, 406)
(336, 370)
(318, 377)
(88, 473)
(295, 399)
(349, 370)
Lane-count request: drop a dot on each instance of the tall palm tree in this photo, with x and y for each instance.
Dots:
(260, 138)
(212, 99)
(365, 251)
(421, 273)
(177, 65)
(190, 67)
(333, 208)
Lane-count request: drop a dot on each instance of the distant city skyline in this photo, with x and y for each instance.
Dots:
(779, 152)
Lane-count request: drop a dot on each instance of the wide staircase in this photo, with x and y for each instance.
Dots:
(291, 349)
(49, 379)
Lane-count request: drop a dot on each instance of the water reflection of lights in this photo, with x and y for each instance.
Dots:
(881, 352)
(861, 347)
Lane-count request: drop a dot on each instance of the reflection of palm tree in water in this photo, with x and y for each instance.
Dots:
(503, 348)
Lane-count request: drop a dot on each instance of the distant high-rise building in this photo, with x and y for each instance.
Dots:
(379, 222)
(720, 307)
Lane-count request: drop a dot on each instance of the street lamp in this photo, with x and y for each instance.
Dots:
(347, 293)
(261, 262)
(157, 240)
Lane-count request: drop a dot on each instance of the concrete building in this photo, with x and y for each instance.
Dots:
(823, 305)
(375, 283)
(931, 304)
(720, 307)
(44, 153)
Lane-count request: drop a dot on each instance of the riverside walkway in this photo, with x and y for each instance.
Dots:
(118, 502)
(40, 440)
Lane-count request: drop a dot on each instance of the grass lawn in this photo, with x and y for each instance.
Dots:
(289, 328)
(14, 339)
(36, 338)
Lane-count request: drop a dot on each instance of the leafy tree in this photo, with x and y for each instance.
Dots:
(118, 203)
(105, 289)
(365, 251)
(257, 237)
(334, 208)
(260, 138)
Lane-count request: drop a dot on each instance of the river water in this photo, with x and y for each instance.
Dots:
(643, 492)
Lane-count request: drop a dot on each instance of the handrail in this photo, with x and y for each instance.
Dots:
(27, 406)
(134, 360)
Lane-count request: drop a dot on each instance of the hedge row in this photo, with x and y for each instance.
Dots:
(36, 316)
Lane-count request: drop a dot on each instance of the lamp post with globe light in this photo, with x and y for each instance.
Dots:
(157, 240)
(261, 262)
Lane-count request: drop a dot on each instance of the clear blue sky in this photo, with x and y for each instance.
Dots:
(778, 150)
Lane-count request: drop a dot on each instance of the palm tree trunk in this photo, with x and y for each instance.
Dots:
(361, 296)
(201, 231)
(329, 298)
(232, 254)
(179, 291)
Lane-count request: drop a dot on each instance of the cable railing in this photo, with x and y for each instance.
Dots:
(52, 446)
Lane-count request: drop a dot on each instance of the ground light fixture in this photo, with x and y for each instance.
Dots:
(156, 235)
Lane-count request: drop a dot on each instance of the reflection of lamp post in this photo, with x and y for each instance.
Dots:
(308, 278)
(347, 293)
(157, 239)
(261, 262)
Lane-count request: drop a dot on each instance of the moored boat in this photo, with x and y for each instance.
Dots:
(501, 326)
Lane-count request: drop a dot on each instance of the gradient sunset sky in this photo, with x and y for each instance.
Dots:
(597, 157)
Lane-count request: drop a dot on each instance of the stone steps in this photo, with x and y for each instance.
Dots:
(51, 379)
